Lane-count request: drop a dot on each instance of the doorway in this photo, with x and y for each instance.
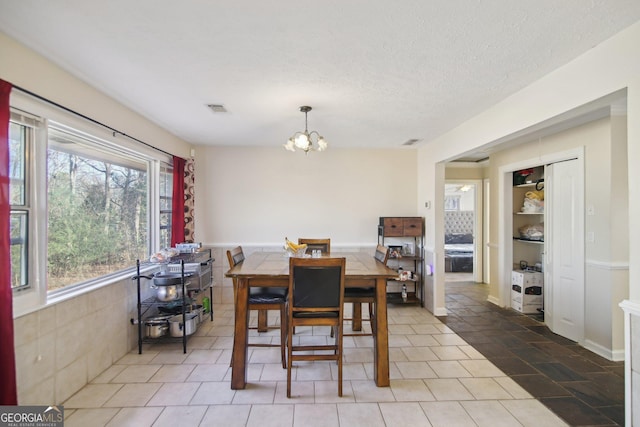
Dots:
(463, 230)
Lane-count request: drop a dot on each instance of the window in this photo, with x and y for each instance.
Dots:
(20, 143)
(97, 209)
(101, 205)
(166, 204)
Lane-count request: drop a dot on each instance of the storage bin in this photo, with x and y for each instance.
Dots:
(526, 291)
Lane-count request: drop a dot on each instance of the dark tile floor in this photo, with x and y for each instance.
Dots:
(577, 384)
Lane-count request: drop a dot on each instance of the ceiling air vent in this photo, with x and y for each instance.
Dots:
(410, 141)
(217, 108)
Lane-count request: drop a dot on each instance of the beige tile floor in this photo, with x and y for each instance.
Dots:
(436, 380)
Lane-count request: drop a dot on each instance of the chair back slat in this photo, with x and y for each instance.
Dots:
(324, 245)
(237, 259)
(382, 254)
(235, 256)
(316, 287)
(316, 284)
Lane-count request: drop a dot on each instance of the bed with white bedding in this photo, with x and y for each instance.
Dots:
(458, 241)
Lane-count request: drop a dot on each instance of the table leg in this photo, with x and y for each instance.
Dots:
(381, 337)
(240, 341)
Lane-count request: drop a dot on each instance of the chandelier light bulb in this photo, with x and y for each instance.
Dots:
(302, 141)
(289, 146)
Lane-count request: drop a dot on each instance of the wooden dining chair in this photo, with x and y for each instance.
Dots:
(312, 244)
(382, 254)
(324, 245)
(316, 292)
(358, 296)
(263, 299)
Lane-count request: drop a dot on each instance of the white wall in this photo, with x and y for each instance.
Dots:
(260, 196)
(609, 67)
(24, 68)
(468, 200)
(255, 197)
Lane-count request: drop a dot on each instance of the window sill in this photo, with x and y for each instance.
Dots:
(28, 302)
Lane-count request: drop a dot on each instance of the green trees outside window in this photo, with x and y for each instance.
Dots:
(97, 211)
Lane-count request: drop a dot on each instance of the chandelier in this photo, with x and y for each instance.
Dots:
(306, 141)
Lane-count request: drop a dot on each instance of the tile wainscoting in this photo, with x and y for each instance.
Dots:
(62, 347)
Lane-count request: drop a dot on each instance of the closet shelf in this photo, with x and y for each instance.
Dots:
(520, 239)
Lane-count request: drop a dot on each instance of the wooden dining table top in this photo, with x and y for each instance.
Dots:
(276, 264)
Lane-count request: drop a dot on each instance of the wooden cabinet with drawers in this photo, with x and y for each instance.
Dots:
(401, 226)
(404, 236)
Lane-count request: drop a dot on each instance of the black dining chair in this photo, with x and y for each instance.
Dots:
(266, 298)
(323, 245)
(358, 296)
(316, 292)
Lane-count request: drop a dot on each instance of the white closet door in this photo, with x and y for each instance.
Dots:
(564, 237)
(486, 251)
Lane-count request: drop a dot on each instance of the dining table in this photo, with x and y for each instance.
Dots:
(271, 269)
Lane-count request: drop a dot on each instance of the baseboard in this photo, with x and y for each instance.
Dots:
(613, 355)
(494, 300)
(618, 355)
(440, 311)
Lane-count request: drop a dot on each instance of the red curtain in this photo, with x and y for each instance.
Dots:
(177, 218)
(8, 389)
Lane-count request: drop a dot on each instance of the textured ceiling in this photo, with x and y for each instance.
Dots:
(377, 73)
